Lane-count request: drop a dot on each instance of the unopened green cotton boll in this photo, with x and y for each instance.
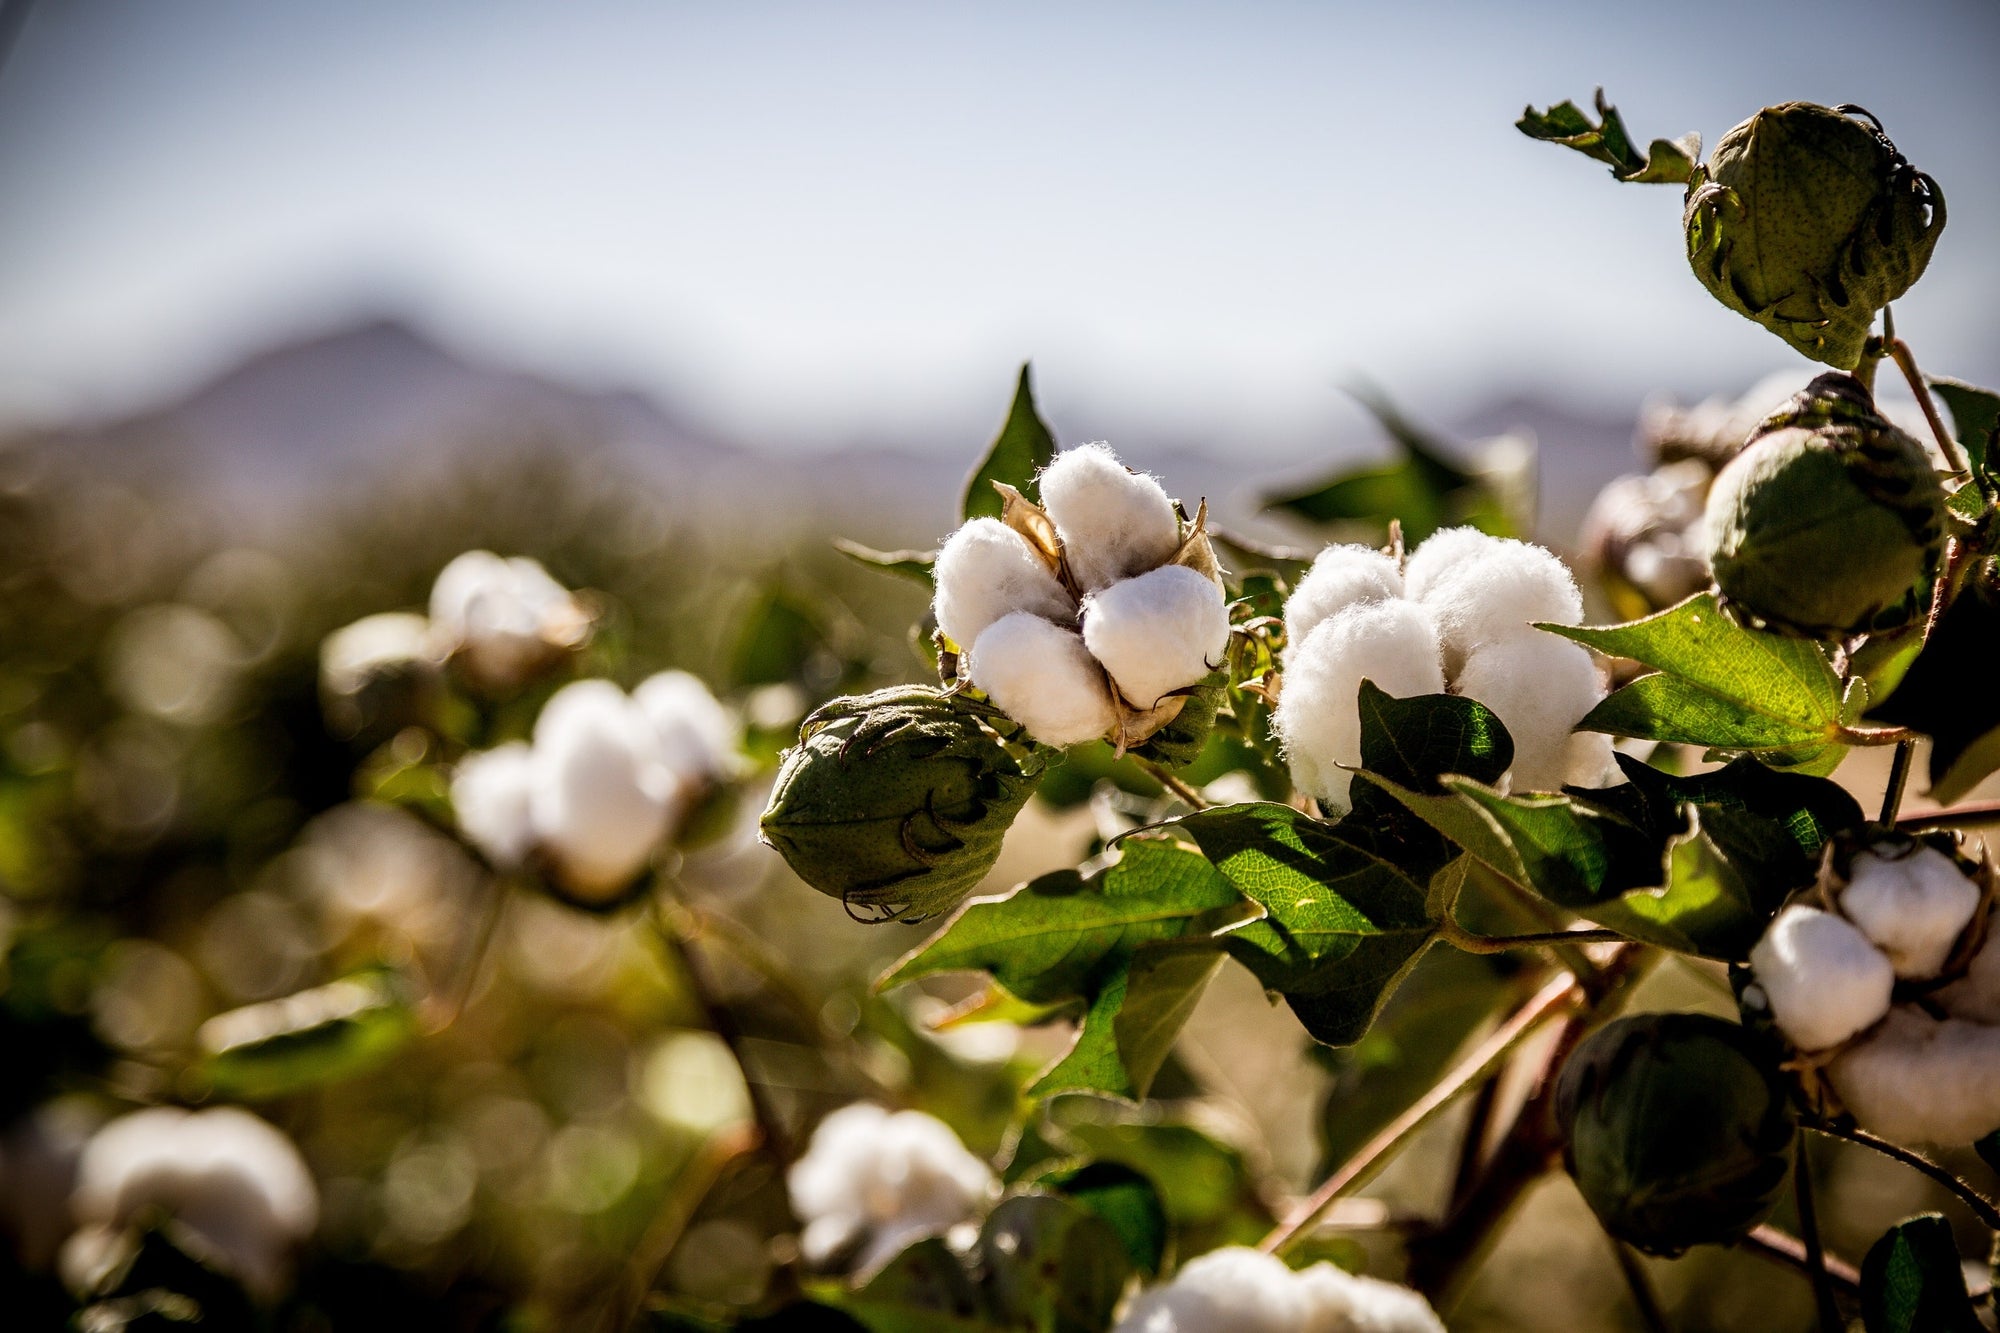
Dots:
(1318, 717)
(1919, 1079)
(987, 570)
(1676, 1130)
(1043, 677)
(1340, 577)
(896, 802)
(1161, 631)
(1807, 220)
(1830, 522)
(1912, 902)
(1483, 588)
(1113, 523)
(1821, 977)
(1539, 686)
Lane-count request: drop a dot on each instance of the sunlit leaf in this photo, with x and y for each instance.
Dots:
(1665, 161)
(912, 565)
(1023, 448)
(316, 1036)
(1975, 419)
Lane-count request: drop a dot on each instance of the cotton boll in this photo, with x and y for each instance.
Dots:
(1921, 1080)
(1044, 678)
(1976, 995)
(1593, 761)
(490, 793)
(873, 1182)
(1539, 686)
(1318, 718)
(1113, 523)
(504, 620)
(1485, 588)
(1231, 1290)
(603, 796)
(1912, 902)
(1342, 1302)
(699, 738)
(1157, 633)
(1824, 980)
(987, 570)
(1340, 577)
(229, 1177)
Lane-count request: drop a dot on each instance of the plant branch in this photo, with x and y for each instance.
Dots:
(1982, 1207)
(1802, 1184)
(1187, 795)
(1770, 1243)
(1899, 778)
(1969, 812)
(1906, 361)
(1557, 996)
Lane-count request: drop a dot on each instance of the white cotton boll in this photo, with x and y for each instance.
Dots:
(1113, 523)
(1539, 686)
(229, 1177)
(1318, 718)
(1044, 678)
(1159, 632)
(1976, 995)
(987, 570)
(1921, 1080)
(1342, 1302)
(1593, 761)
(1484, 588)
(873, 1182)
(699, 738)
(1912, 906)
(1231, 1290)
(1340, 577)
(603, 797)
(1824, 980)
(490, 794)
(504, 618)
(371, 647)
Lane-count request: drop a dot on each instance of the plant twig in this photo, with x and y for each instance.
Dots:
(1458, 937)
(1982, 1207)
(1640, 1283)
(1558, 995)
(1770, 1243)
(1906, 361)
(1899, 778)
(1802, 1184)
(1187, 795)
(1969, 812)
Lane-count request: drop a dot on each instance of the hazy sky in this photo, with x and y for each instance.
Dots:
(815, 223)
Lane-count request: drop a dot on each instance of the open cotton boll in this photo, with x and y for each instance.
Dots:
(232, 1179)
(1912, 902)
(1113, 523)
(1340, 577)
(1539, 686)
(1976, 995)
(1824, 980)
(1484, 588)
(873, 1182)
(1593, 761)
(1318, 718)
(987, 570)
(603, 796)
(1342, 1302)
(1240, 1290)
(1922, 1080)
(503, 618)
(1159, 632)
(1044, 678)
(699, 739)
(490, 793)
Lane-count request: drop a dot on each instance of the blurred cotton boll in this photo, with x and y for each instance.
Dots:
(1241, 1290)
(873, 1182)
(491, 792)
(603, 796)
(232, 1181)
(699, 738)
(377, 671)
(504, 621)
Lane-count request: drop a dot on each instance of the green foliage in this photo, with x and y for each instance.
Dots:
(1911, 1281)
(1947, 693)
(1975, 418)
(782, 637)
(1719, 684)
(912, 565)
(1022, 449)
(1128, 1202)
(332, 1032)
(1665, 161)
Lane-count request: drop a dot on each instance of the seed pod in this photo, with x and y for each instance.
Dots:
(1676, 1130)
(1830, 522)
(895, 802)
(1809, 221)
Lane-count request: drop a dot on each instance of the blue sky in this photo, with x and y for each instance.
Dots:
(810, 224)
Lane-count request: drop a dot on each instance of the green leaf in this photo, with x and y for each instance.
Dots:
(317, 1036)
(1131, 1024)
(1208, 1189)
(1666, 161)
(1948, 694)
(1911, 1281)
(1061, 936)
(1128, 1202)
(925, 1289)
(1022, 449)
(1052, 1265)
(1415, 741)
(1975, 419)
(1720, 685)
(779, 636)
(1423, 489)
(912, 565)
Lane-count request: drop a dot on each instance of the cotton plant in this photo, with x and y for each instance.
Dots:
(873, 1181)
(230, 1187)
(1458, 616)
(606, 780)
